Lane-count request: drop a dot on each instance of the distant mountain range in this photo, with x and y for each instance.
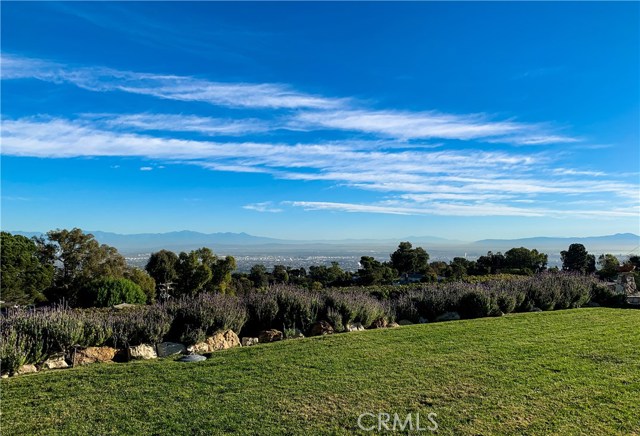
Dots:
(188, 240)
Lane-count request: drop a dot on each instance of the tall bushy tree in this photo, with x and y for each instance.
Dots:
(259, 276)
(609, 265)
(373, 272)
(194, 272)
(525, 260)
(79, 258)
(26, 272)
(578, 259)
(407, 259)
(162, 267)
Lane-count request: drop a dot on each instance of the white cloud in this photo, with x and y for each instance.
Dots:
(146, 168)
(421, 181)
(179, 123)
(266, 206)
(412, 125)
(318, 112)
(166, 86)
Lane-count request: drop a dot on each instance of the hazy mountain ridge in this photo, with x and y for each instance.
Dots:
(185, 240)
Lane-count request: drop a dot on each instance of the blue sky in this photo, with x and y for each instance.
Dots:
(322, 120)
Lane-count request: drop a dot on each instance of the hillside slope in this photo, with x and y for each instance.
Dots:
(563, 372)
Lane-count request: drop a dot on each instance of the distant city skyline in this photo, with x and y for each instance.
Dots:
(319, 121)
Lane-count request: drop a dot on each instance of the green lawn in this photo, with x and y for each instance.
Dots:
(565, 372)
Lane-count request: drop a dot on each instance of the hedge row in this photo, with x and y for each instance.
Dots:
(31, 336)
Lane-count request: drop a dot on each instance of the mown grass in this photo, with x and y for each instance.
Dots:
(564, 372)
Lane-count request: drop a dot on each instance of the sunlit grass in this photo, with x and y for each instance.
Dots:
(564, 372)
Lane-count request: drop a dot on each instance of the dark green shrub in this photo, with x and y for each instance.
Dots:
(606, 296)
(335, 319)
(207, 313)
(262, 308)
(296, 308)
(14, 351)
(475, 304)
(506, 303)
(106, 292)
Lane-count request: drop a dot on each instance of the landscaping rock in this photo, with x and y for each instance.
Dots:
(356, 327)
(379, 324)
(93, 354)
(270, 336)
(449, 316)
(423, 320)
(122, 306)
(392, 325)
(535, 309)
(142, 352)
(321, 328)
(4, 376)
(192, 358)
(297, 334)
(26, 369)
(405, 322)
(165, 349)
(591, 304)
(219, 341)
(247, 342)
(56, 362)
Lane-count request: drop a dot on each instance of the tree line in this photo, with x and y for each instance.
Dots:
(72, 266)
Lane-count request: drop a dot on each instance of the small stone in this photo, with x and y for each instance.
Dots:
(4, 376)
(379, 324)
(535, 309)
(355, 327)
(247, 342)
(321, 328)
(448, 316)
(123, 306)
(392, 325)
(57, 362)
(26, 369)
(406, 322)
(93, 355)
(165, 349)
(270, 336)
(192, 358)
(219, 341)
(423, 320)
(142, 352)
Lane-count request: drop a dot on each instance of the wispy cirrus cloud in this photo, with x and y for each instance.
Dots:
(423, 181)
(413, 125)
(307, 112)
(166, 86)
(206, 126)
(266, 206)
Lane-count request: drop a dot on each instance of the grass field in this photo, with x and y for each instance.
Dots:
(565, 372)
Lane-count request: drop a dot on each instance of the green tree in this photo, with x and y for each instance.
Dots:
(194, 272)
(26, 273)
(407, 259)
(162, 268)
(280, 274)
(79, 258)
(259, 276)
(222, 270)
(578, 259)
(490, 264)
(144, 280)
(609, 265)
(524, 260)
(373, 272)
